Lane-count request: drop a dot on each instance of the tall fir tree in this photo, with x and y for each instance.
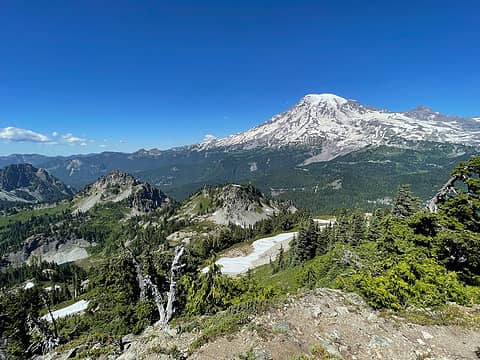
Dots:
(405, 203)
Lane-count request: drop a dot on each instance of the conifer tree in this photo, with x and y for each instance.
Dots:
(405, 203)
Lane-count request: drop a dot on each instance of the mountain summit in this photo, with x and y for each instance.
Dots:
(25, 183)
(341, 126)
(119, 186)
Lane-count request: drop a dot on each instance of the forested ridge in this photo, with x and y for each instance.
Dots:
(398, 257)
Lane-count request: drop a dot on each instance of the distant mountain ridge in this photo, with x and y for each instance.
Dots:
(25, 183)
(324, 139)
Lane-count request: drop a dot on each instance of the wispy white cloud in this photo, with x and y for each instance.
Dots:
(54, 134)
(69, 138)
(22, 135)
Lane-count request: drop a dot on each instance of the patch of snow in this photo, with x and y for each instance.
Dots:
(324, 221)
(29, 285)
(75, 308)
(263, 249)
(209, 137)
(329, 99)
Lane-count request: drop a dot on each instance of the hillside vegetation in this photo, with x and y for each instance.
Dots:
(397, 259)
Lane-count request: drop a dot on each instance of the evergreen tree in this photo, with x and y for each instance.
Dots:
(304, 247)
(323, 241)
(280, 262)
(358, 228)
(374, 232)
(405, 203)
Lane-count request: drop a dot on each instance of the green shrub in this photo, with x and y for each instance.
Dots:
(420, 282)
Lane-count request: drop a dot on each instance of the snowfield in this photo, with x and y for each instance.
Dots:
(324, 221)
(75, 308)
(263, 250)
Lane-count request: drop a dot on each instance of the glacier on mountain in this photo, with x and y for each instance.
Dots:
(340, 126)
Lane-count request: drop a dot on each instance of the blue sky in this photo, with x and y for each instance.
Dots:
(90, 76)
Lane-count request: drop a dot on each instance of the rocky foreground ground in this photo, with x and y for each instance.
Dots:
(328, 323)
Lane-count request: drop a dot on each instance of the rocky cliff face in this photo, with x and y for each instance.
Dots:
(241, 205)
(51, 248)
(119, 186)
(147, 198)
(25, 183)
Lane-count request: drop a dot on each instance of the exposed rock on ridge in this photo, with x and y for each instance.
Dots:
(118, 186)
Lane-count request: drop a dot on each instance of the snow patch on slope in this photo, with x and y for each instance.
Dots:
(263, 249)
(75, 308)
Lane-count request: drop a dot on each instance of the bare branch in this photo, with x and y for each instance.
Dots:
(447, 189)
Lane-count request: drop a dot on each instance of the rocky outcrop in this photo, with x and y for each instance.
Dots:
(25, 183)
(119, 186)
(55, 248)
(336, 324)
(241, 205)
(147, 198)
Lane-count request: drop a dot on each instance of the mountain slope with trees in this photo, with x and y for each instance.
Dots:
(403, 259)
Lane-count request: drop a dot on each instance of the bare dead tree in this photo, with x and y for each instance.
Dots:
(165, 311)
(447, 189)
(172, 293)
(46, 301)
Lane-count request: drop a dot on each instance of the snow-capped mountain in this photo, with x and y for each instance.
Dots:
(341, 126)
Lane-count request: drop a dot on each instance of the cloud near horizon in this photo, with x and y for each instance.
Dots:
(14, 134)
(22, 135)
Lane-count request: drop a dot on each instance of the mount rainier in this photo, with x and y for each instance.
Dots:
(341, 126)
(325, 152)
